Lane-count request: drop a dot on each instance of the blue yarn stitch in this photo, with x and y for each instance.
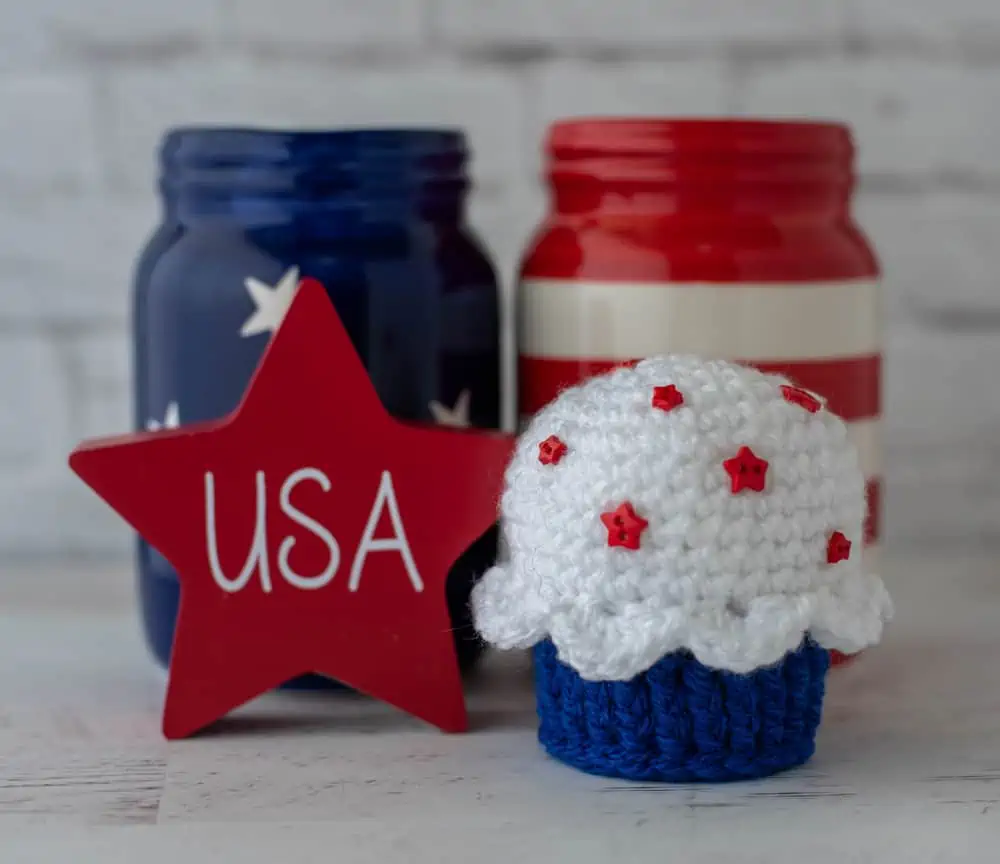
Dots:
(680, 721)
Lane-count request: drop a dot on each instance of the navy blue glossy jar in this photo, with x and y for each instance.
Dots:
(377, 217)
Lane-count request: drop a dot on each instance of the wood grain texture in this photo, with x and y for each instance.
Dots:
(907, 767)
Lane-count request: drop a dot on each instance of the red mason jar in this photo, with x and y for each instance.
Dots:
(724, 238)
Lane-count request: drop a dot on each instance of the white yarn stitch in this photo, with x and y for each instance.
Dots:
(737, 579)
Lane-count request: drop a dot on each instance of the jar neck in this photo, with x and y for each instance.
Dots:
(707, 169)
(339, 214)
(341, 180)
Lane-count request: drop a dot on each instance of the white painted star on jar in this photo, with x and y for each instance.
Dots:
(271, 301)
(458, 416)
(171, 419)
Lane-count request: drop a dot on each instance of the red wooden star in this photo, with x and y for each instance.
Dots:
(312, 532)
(667, 398)
(624, 526)
(746, 471)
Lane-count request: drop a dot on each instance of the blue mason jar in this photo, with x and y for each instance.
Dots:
(378, 217)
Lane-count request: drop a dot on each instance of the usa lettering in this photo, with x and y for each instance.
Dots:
(258, 561)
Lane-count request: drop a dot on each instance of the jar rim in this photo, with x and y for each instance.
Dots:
(650, 136)
(260, 173)
(194, 144)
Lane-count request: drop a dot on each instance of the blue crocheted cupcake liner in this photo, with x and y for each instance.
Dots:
(681, 721)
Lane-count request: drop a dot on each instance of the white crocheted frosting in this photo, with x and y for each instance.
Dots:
(737, 578)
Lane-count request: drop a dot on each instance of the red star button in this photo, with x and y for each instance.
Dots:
(838, 548)
(800, 397)
(312, 532)
(551, 450)
(624, 526)
(746, 471)
(667, 398)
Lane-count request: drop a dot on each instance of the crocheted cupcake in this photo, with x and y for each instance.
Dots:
(682, 545)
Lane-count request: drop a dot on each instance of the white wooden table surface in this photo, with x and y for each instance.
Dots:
(907, 768)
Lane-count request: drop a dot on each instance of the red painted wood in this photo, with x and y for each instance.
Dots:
(309, 406)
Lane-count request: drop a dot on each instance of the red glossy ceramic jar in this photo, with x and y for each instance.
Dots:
(725, 238)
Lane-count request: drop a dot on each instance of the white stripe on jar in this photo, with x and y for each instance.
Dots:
(778, 321)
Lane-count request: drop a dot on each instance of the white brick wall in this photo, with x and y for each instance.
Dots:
(573, 88)
(68, 258)
(626, 25)
(308, 94)
(939, 251)
(389, 25)
(919, 118)
(87, 88)
(40, 115)
(955, 24)
(62, 33)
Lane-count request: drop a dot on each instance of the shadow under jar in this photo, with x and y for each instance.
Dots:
(722, 238)
(378, 217)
